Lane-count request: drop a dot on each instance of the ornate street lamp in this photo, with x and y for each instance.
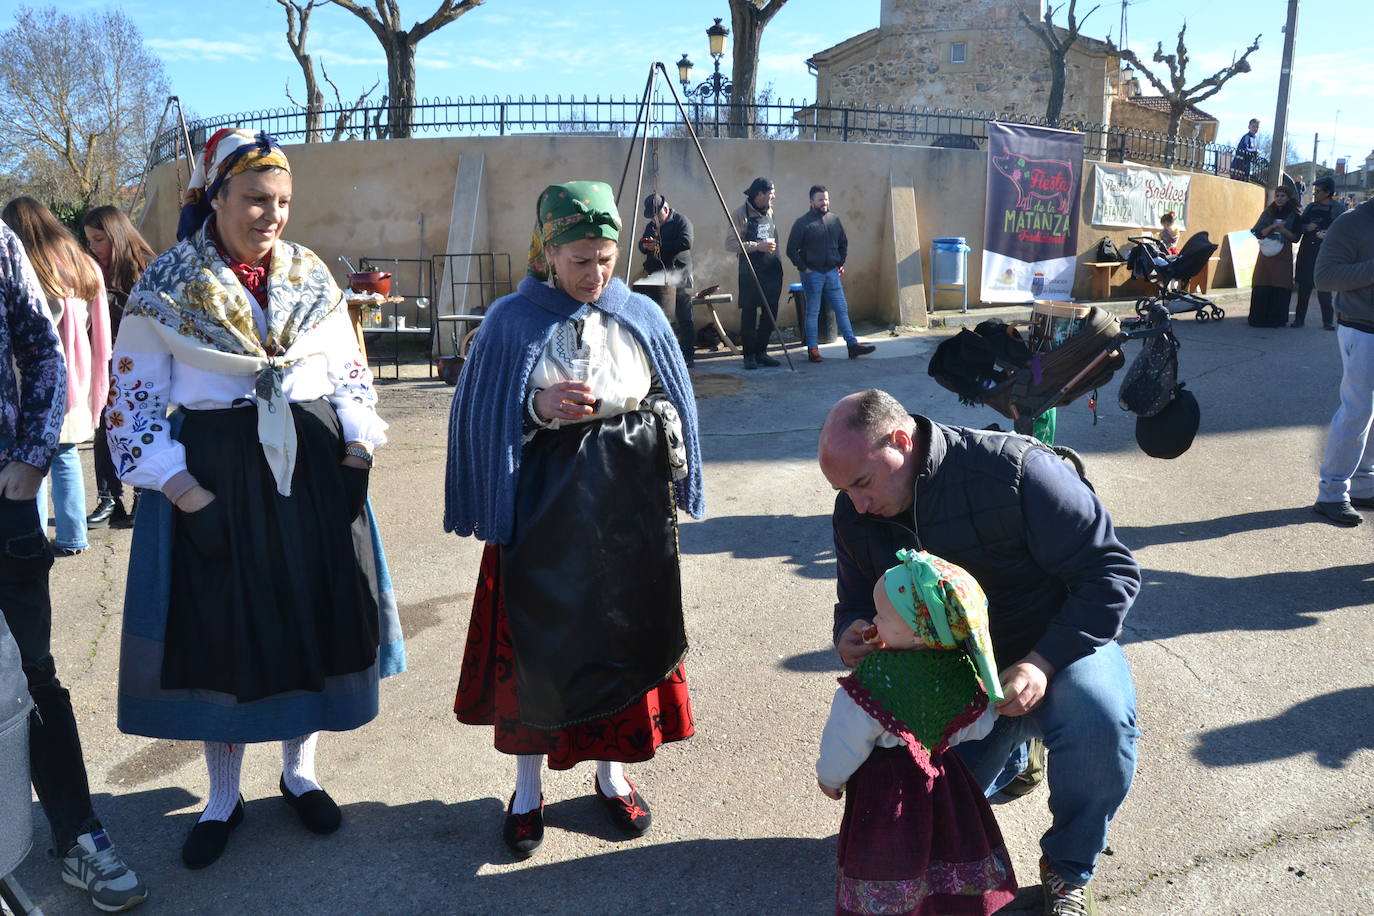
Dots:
(715, 86)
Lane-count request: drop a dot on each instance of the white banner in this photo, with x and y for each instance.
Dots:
(1135, 198)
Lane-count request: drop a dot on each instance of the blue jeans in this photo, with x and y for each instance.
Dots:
(68, 499)
(1348, 466)
(1088, 723)
(818, 283)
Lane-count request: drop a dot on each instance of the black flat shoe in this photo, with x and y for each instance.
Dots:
(857, 350)
(315, 808)
(523, 833)
(628, 812)
(104, 510)
(208, 839)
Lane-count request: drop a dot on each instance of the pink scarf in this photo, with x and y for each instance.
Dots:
(88, 355)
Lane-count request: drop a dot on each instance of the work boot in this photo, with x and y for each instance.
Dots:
(766, 361)
(857, 349)
(813, 355)
(750, 362)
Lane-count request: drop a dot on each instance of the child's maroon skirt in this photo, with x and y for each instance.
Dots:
(911, 845)
(487, 696)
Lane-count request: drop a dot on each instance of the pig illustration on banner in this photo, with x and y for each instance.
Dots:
(1048, 180)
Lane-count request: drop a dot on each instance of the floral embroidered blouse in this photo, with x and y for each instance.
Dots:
(31, 414)
(149, 378)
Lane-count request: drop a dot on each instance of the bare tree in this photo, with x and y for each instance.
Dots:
(297, 34)
(80, 98)
(1180, 99)
(345, 114)
(399, 44)
(1057, 46)
(748, 18)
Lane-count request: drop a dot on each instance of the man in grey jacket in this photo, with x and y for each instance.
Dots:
(1345, 266)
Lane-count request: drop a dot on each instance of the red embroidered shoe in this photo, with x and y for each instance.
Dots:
(523, 832)
(628, 812)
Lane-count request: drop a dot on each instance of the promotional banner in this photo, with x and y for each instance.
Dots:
(1135, 198)
(1030, 241)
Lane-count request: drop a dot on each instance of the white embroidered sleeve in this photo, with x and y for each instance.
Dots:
(354, 398)
(846, 742)
(141, 444)
(981, 728)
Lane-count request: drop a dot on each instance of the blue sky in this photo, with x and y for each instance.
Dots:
(227, 56)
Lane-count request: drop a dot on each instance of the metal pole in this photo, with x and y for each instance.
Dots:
(1277, 152)
(1314, 162)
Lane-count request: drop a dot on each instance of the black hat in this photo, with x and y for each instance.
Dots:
(1326, 183)
(652, 204)
(758, 187)
(1170, 432)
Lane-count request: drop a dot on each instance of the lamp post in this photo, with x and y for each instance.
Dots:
(715, 85)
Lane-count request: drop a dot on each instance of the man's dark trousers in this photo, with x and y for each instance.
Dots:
(55, 763)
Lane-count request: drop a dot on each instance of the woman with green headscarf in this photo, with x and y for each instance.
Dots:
(572, 443)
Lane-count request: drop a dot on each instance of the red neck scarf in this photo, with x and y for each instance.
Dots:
(254, 279)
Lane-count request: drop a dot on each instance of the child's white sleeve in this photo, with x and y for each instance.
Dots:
(846, 742)
(980, 728)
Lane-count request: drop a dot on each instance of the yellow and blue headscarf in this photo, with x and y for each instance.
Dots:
(229, 152)
(570, 211)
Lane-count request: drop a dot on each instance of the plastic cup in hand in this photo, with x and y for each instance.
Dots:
(581, 369)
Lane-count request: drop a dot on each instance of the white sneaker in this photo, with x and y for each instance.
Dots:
(93, 865)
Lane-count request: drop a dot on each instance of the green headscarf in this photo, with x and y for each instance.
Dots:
(946, 608)
(570, 211)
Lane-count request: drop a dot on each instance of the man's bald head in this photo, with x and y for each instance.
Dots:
(867, 449)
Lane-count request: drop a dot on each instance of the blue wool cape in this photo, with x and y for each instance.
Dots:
(486, 421)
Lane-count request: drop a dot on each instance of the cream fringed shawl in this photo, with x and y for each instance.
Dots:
(189, 303)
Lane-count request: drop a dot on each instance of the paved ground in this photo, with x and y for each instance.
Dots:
(1251, 645)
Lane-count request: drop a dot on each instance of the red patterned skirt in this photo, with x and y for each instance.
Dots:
(487, 696)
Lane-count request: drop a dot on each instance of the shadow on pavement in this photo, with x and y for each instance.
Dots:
(802, 542)
(820, 661)
(1207, 529)
(1175, 603)
(1332, 728)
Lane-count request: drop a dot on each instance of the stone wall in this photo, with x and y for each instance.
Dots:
(908, 62)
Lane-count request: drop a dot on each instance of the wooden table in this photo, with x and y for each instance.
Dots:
(355, 307)
(1101, 281)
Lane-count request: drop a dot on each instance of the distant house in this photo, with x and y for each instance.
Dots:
(1357, 184)
(977, 55)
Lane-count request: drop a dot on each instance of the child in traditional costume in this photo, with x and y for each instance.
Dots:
(918, 837)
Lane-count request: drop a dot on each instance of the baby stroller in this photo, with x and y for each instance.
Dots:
(16, 808)
(1149, 261)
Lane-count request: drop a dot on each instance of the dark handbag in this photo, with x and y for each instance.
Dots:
(1149, 383)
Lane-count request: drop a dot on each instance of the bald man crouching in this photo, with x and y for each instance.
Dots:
(1058, 582)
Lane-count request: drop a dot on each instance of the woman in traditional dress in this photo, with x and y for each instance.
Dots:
(572, 439)
(1272, 284)
(123, 255)
(258, 606)
(76, 298)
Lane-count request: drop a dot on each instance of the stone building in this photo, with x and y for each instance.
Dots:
(978, 55)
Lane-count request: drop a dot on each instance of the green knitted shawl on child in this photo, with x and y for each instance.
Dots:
(921, 695)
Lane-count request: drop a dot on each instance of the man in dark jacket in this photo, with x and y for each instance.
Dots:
(755, 230)
(1313, 223)
(1058, 583)
(818, 247)
(666, 244)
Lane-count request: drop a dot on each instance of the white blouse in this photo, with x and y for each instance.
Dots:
(145, 386)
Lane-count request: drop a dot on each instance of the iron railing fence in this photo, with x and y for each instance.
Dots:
(791, 120)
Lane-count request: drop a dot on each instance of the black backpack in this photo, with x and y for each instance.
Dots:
(1149, 383)
(1106, 251)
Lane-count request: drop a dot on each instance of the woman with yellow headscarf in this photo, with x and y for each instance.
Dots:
(258, 605)
(572, 436)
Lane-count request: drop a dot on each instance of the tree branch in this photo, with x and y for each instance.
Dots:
(447, 12)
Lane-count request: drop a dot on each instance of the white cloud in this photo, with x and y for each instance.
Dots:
(201, 49)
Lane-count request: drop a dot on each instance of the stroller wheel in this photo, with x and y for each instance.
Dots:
(1218, 313)
(1201, 315)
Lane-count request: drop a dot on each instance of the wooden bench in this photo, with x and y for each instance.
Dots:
(710, 302)
(1100, 283)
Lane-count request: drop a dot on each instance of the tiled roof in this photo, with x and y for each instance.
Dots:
(1159, 103)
